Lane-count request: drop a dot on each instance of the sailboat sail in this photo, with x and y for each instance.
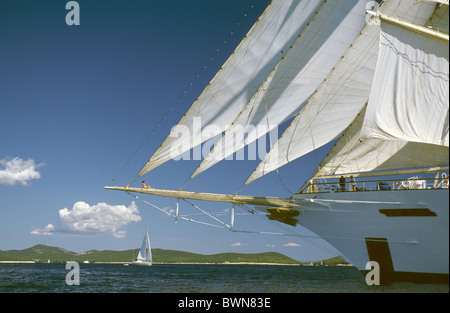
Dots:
(145, 253)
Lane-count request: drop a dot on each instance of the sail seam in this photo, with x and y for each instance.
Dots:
(414, 64)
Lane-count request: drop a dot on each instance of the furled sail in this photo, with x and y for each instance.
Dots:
(295, 78)
(409, 98)
(238, 79)
(340, 97)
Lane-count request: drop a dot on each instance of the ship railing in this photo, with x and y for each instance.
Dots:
(415, 182)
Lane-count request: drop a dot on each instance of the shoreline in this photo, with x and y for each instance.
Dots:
(226, 263)
(17, 262)
(177, 263)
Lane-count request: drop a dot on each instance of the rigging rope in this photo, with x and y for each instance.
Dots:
(289, 232)
(311, 239)
(270, 144)
(179, 98)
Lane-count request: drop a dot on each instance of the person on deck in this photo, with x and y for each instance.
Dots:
(436, 179)
(352, 183)
(342, 183)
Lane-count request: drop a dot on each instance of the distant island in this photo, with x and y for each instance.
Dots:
(44, 254)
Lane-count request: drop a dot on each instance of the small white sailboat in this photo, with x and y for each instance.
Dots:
(144, 257)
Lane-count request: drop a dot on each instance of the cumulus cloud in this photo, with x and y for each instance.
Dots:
(101, 218)
(292, 244)
(46, 231)
(18, 171)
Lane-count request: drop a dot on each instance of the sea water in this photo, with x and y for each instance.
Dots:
(183, 278)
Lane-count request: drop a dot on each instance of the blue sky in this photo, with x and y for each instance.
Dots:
(77, 101)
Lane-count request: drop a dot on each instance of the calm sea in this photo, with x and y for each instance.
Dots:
(117, 278)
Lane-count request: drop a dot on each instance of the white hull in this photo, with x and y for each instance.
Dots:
(141, 263)
(406, 231)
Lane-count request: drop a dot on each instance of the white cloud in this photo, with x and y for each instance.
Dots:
(18, 171)
(292, 244)
(238, 244)
(46, 231)
(168, 210)
(101, 218)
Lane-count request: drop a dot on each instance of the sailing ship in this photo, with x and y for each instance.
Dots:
(370, 79)
(144, 257)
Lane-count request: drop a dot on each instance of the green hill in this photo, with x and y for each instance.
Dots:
(331, 262)
(39, 253)
(43, 253)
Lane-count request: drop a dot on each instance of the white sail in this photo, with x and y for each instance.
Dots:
(145, 253)
(330, 109)
(352, 154)
(295, 78)
(238, 79)
(340, 97)
(409, 98)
